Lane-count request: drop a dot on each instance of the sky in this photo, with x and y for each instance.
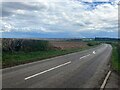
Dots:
(59, 19)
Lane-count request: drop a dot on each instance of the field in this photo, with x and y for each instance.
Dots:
(19, 51)
(68, 44)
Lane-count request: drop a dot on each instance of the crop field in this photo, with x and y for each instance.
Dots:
(20, 51)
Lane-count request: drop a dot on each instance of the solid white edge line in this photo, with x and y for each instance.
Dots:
(47, 70)
(105, 81)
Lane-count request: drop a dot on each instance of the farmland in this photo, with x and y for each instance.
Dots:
(68, 44)
(20, 51)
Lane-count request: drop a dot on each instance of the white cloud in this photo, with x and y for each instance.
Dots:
(87, 0)
(101, 0)
(20, 11)
(68, 16)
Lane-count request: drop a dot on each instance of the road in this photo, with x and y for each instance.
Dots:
(85, 69)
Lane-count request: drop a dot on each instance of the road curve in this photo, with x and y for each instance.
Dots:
(85, 69)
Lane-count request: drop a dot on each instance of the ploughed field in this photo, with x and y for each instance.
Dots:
(68, 44)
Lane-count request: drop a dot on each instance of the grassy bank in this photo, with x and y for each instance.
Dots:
(116, 57)
(16, 58)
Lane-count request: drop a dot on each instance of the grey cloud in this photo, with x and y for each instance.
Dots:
(6, 12)
(8, 8)
(18, 5)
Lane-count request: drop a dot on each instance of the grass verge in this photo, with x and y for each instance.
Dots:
(12, 59)
(116, 58)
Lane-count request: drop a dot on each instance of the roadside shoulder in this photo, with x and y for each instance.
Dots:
(113, 81)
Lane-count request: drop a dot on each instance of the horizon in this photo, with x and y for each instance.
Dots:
(55, 38)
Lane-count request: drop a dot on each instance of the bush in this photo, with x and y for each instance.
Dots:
(92, 43)
(15, 45)
(35, 45)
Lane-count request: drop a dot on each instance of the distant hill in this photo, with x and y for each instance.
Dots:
(106, 39)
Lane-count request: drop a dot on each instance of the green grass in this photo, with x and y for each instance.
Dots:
(93, 43)
(12, 59)
(116, 58)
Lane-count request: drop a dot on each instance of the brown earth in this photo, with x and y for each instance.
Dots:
(68, 44)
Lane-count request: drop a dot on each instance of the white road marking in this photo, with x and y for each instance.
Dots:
(47, 70)
(94, 52)
(105, 81)
(84, 56)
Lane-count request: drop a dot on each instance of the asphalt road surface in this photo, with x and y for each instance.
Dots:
(85, 69)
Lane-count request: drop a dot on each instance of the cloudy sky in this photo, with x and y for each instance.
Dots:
(60, 19)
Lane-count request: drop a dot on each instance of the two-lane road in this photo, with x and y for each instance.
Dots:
(85, 69)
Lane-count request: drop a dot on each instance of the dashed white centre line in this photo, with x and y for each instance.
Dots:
(85, 56)
(47, 70)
